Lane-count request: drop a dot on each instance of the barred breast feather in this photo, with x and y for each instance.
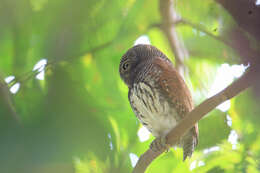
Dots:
(151, 109)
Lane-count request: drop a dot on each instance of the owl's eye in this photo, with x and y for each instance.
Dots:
(126, 66)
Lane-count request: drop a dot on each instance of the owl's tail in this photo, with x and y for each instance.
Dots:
(190, 141)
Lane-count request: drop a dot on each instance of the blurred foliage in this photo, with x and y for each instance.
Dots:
(78, 118)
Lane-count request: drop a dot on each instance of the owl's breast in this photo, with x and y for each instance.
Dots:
(152, 108)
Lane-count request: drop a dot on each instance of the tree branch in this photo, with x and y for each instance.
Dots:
(169, 19)
(197, 113)
(245, 13)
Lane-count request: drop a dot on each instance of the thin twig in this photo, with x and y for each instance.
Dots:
(196, 26)
(30, 74)
(5, 97)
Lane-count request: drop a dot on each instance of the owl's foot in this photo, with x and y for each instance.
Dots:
(159, 144)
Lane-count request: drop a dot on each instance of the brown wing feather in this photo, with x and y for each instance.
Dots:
(176, 89)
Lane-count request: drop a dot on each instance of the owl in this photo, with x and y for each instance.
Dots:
(158, 95)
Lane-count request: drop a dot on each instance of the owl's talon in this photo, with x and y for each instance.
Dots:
(159, 144)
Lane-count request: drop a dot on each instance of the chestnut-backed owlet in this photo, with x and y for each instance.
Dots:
(158, 95)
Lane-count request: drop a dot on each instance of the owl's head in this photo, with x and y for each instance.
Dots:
(136, 60)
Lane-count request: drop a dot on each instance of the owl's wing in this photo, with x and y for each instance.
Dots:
(175, 89)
